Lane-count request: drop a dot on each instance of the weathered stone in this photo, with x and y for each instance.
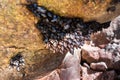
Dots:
(100, 66)
(100, 10)
(69, 69)
(90, 54)
(54, 75)
(108, 75)
(99, 39)
(88, 74)
(113, 32)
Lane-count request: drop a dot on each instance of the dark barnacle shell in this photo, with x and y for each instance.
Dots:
(38, 11)
(17, 61)
(32, 7)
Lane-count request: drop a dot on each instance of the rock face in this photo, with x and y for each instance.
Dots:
(100, 10)
(23, 54)
(18, 35)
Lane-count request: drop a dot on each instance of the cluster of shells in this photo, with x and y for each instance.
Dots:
(63, 34)
(17, 62)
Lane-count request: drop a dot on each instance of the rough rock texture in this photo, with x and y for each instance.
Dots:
(107, 51)
(100, 66)
(114, 30)
(100, 10)
(99, 60)
(23, 56)
(88, 74)
(69, 69)
(63, 34)
(18, 35)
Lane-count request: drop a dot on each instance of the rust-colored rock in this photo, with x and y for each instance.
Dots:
(100, 10)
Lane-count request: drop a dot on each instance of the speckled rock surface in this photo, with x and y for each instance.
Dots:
(18, 35)
(100, 10)
(109, 52)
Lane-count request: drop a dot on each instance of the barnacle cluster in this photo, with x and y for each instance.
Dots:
(17, 62)
(113, 47)
(63, 34)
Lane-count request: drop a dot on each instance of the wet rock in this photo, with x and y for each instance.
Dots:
(95, 54)
(100, 66)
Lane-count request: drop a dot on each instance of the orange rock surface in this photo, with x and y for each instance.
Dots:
(18, 34)
(86, 9)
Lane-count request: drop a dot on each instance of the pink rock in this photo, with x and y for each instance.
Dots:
(90, 54)
(88, 74)
(100, 66)
(93, 54)
(69, 70)
(114, 30)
